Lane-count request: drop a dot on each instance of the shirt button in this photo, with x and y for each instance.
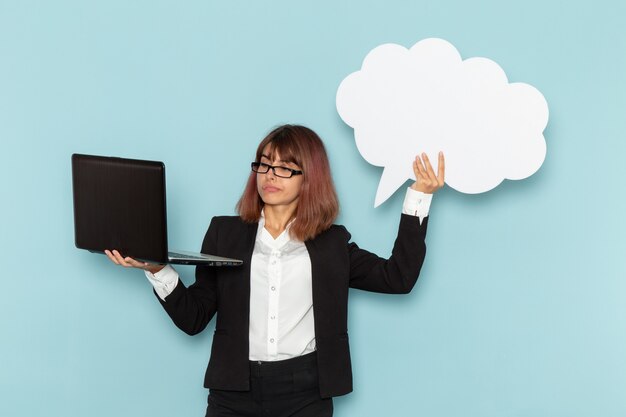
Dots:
(271, 340)
(273, 288)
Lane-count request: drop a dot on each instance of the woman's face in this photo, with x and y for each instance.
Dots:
(277, 191)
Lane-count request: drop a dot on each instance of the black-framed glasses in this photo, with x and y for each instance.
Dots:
(282, 172)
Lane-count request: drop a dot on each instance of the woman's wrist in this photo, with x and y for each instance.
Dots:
(154, 268)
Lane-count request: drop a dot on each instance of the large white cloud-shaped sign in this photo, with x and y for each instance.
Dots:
(427, 98)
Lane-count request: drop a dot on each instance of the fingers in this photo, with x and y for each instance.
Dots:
(441, 169)
(119, 259)
(418, 168)
(429, 168)
(426, 179)
(111, 256)
(126, 262)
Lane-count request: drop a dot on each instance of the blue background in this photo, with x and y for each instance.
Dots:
(521, 306)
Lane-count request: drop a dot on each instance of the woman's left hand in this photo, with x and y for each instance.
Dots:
(427, 182)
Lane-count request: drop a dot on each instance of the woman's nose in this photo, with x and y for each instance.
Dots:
(270, 174)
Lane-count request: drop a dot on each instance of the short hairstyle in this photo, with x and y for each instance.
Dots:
(317, 203)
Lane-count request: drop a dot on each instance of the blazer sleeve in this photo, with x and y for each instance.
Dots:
(399, 273)
(192, 308)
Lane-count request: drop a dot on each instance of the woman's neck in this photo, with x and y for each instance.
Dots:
(277, 218)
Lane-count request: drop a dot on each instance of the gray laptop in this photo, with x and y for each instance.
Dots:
(120, 204)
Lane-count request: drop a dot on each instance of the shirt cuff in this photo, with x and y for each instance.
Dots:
(416, 203)
(163, 281)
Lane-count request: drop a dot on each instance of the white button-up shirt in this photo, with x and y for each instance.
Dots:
(281, 298)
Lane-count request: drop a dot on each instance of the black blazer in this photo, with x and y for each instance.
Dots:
(336, 265)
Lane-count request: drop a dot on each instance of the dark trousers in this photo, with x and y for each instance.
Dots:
(288, 388)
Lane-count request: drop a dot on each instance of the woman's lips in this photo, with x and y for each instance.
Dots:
(270, 189)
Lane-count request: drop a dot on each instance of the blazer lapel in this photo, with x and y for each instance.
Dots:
(316, 283)
(250, 237)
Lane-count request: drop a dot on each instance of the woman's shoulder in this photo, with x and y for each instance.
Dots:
(335, 231)
(227, 219)
(228, 222)
(227, 230)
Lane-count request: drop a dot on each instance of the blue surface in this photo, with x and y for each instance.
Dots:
(521, 306)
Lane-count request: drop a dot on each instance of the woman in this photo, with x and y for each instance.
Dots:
(280, 346)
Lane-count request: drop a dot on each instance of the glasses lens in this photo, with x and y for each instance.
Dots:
(283, 172)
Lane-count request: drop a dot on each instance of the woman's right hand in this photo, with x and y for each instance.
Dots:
(128, 262)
